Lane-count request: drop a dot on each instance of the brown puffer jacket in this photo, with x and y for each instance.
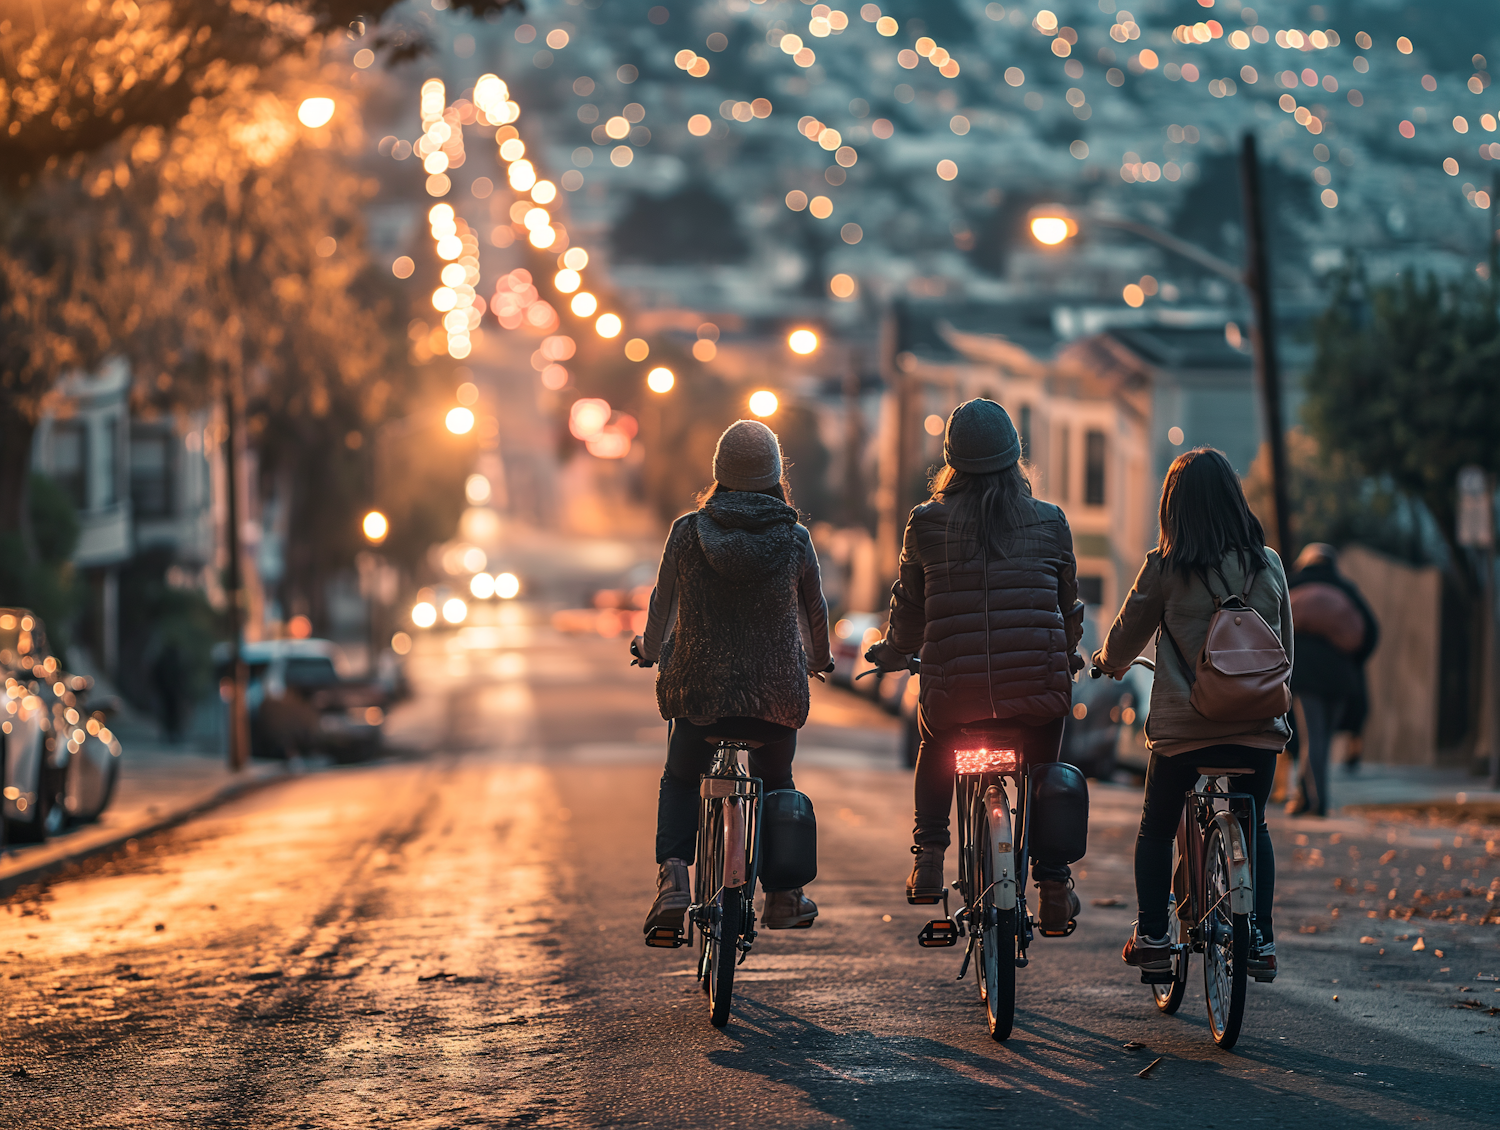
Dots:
(990, 627)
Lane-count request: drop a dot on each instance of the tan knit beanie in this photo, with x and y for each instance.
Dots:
(747, 457)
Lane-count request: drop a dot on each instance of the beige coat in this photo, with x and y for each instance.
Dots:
(1173, 726)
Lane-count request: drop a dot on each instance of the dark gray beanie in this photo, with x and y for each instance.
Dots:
(747, 457)
(980, 439)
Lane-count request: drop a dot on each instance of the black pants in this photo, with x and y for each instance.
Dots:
(689, 757)
(1318, 718)
(1168, 781)
(1039, 743)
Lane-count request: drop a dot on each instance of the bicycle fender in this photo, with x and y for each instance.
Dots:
(1241, 885)
(1002, 844)
(734, 845)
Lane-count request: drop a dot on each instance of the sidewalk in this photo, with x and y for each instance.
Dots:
(1406, 785)
(158, 786)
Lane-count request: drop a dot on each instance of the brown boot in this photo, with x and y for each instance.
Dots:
(788, 910)
(1059, 907)
(673, 895)
(926, 882)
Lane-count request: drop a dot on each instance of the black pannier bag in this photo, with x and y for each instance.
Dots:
(1059, 813)
(789, 840)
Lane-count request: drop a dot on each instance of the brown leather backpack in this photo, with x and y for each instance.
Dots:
(1242, 670)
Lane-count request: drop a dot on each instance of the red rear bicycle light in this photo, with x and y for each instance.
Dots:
(986, 761)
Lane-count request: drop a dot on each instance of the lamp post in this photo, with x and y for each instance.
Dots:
(1054, 226)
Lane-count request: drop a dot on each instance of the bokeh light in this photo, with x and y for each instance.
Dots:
(802, 342)
(660, 379)
(609, 325)
(401, 643)
(375, 526)
(933, 425)
(424, 614)
(477, 490)
(315, 112)
(507, 586)
(584, 304)
(1050, 230)
(459, 421)
(764, 403)
(481, 586)
(455, 611)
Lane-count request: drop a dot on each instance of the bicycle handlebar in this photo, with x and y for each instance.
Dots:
(913, 666)
(1096, 671)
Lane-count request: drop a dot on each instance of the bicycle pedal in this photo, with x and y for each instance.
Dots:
(938, 934)
(923, 898)
(1063, 933)
(1156, 977)
(666, 938)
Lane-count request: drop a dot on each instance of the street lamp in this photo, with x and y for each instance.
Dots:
(1051, 225)
(376, 527)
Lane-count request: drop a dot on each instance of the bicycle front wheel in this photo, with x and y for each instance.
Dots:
(1226, 937)
(997, 939)
(723, 953)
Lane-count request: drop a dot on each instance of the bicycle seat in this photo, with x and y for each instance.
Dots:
(1210, 772)
(719, 739)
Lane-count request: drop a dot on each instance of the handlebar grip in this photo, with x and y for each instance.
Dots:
(1096, 672)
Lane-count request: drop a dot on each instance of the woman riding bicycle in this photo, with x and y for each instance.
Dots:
(724, 624)
(987, 593)
(1210, 547)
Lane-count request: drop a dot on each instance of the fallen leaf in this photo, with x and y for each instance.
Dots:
(1112, 900)
(1307, 929)
(1335, 996)
(1131, 1045)
(1141, 1074)
(1437, 953)
(1368, 941)
(1421, 944)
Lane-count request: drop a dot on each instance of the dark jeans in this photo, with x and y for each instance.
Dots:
(1318, 718)
(1038, 742)
(689, 757)
(1168, 781)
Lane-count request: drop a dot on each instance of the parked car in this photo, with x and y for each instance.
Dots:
(61, 759)
(299, 703)
(853, 635)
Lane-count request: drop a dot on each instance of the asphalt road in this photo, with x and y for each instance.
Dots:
(452, 938)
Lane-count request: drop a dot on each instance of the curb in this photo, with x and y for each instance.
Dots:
(22, 872)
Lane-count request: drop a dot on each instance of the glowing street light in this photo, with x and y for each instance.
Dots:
(455, 611)
(460, 421)
(424, 614)
(315, 112)
(482, 586)
(802, 342)
(660, 379)
(507, 585)
(376, 527)
(764, 403)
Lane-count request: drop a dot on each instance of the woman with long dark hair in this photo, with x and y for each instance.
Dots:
(736, 577)
(988, 594)
(1210, 547)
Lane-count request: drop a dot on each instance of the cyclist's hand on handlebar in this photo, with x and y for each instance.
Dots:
(1076, 662)
(821, 671)
(635, 650)
(1095, 671)
(886, 658)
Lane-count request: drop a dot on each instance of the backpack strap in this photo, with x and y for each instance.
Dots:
(1187, 668)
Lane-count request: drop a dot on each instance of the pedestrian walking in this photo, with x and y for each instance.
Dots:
(1336, 634)
(988, 594)
(736, 577)
(1210, 548)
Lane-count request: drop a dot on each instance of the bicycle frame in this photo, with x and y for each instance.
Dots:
(727, 786)
(1200, 813)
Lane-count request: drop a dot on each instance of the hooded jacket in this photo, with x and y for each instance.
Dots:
(724, 617)
(990, 627)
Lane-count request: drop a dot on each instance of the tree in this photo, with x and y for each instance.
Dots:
(1406, 385)
(81, 82)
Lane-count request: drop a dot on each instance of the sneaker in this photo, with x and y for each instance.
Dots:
(673, 895)
(1059, 907)
(1262, 963)
(926, 882)
(788, 910)
(1150, 955)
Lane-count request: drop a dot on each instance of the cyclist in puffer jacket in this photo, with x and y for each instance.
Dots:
(988, 594)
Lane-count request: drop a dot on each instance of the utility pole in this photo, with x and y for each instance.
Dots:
(239, 718)
(1263, 338)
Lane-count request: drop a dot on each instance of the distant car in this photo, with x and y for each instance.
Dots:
(298, 702)
(1131, 753)
(61, 759)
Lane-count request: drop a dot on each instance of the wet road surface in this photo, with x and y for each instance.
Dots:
(451, 939)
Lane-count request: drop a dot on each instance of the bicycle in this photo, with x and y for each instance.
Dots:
(992, 869)
(1213, 899)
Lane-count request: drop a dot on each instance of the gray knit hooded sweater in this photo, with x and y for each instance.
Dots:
(732, 578)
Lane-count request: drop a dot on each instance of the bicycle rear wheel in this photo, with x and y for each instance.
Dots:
(1226, 938)
(997, 939)
(723, 953)
(1169, 997)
